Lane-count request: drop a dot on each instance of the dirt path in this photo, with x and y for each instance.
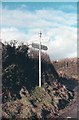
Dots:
(72, 110)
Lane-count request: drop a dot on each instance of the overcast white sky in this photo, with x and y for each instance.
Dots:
(57, 21)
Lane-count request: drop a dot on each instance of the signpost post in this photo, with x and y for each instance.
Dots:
(40, 47)
(40, 60)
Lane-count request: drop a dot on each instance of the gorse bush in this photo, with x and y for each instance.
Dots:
(40, 96)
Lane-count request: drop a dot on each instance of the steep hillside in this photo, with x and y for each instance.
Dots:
(67, 67)
(21, 96)
(21, 70)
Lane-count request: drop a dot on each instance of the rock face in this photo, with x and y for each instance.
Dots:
(21, 96)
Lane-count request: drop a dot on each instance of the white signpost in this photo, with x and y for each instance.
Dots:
(40, 47)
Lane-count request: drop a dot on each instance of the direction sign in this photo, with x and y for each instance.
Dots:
(36, 45)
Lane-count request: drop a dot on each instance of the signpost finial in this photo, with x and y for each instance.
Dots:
(40, 34)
